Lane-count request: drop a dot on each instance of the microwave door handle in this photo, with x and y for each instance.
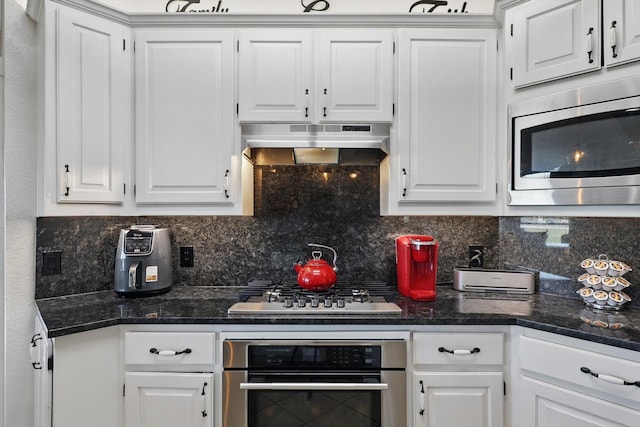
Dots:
(314, 386)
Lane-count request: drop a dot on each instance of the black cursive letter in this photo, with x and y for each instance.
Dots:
(178, 8)
(314, 7)
(435, 4)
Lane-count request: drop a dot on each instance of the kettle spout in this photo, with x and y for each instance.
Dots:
(297, 266)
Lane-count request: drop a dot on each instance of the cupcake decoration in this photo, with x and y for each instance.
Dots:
(603, 284)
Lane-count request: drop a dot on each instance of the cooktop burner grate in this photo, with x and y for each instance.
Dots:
(342, 289)
(267, 297)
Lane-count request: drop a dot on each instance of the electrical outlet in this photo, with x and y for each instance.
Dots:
(51, 263)
(476, 256)
(186, 256)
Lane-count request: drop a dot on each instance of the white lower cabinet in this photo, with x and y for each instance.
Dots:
(169, 379)
(574, 383)
(458, 379)
(453, 399)
(157, 399)
(548, 405)
(87, 379)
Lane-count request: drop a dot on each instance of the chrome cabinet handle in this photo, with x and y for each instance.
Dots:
(461, 352)
(169, 352)
(609, 378)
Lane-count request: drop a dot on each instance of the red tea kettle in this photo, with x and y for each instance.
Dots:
(317, 274)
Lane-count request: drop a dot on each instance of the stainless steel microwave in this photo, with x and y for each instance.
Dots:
(580, 147)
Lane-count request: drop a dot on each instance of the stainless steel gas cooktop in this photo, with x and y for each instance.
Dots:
(266, 297)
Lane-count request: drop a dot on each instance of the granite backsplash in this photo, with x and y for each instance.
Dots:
(336, 206)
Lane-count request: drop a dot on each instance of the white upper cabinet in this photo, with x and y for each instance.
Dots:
(355, 76)
(622, 31)
(275, 75)
(309, 76)
(184, 116)
(446, 116)
(554, 39)
(92, 97)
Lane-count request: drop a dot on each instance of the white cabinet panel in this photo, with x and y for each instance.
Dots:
(275, 73)
(92, 101)
(547, 405)
(308, 76)
(157, 399)
(622, 31)
(355, 76)
(554, 39)
(184, 116)
(454, 399)
(446, 117)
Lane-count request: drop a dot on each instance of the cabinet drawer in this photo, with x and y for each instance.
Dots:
(468, 348)
(563, 365)
(168, 348)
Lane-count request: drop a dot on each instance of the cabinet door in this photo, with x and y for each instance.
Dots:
(184, 116)
(92, 101)
(355, 75)
(156, 399)
(275, 75)
(554, 39)
(446, 115)
(454, 399)
(87, 379)
(622, 31)
(547, 405)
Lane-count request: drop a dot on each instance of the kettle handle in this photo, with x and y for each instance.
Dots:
(335, 255)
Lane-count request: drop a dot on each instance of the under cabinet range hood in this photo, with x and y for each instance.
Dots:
(291, 144)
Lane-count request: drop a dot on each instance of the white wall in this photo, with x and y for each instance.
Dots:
(20, 209)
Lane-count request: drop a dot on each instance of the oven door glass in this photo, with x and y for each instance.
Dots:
(314, 400)
(591, 146)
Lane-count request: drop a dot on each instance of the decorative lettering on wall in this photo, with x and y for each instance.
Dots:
(435, 4)
(314, 5)
(194, 6)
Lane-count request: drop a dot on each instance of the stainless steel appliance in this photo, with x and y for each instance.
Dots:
(579, 147)
(485, 280)
(288, 298)
(314, 383)
(143, 261)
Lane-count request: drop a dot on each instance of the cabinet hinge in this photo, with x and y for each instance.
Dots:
(511, 30)
(504, 387)
(238, 45)
(496, 188)
(393, 109)
(124, 45)
(50, 363)
(238, 109)
(124, 188)
(394, 48)
(134, 189)
(511, 73)
(497, 45)
(123, 391)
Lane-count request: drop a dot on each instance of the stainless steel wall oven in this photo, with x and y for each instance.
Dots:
(291, 383)
(580, 147)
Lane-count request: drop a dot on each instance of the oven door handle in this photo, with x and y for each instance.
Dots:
(314, 386)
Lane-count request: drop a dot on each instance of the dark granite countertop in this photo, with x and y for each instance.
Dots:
(209, 304)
